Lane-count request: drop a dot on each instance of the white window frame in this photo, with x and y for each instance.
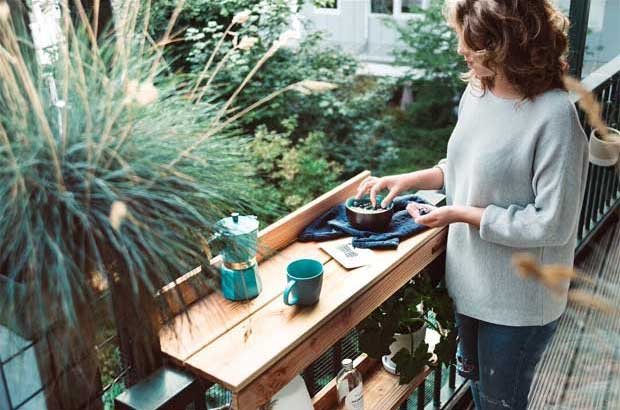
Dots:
(397, 13)
(370, 12)
(325, 10)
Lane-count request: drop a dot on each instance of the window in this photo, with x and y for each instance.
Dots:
(412, 6)
(602, 43)
(326, 4)
(563, 5)
(382, 6)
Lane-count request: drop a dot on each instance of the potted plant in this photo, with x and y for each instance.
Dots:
(395, 332)
(113, 173)
(604, 149)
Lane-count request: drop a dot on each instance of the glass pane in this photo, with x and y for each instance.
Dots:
(326, 4)
(382, 6)
(602, 43)
(411, 6)
(563, 5)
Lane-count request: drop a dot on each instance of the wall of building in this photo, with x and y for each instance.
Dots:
(354, 28)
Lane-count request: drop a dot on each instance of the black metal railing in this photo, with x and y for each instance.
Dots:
(602, 194)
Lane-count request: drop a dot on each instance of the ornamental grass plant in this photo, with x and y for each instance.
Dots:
(112, 170)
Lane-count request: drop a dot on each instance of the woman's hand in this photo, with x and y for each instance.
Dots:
(374, 185)
(431, 216)
(435, 217)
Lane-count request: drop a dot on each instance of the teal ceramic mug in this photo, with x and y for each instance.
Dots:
(305, 278)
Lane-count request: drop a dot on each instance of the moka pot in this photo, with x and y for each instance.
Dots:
(236, 237)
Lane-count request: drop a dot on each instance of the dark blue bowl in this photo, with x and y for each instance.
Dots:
(376, 220)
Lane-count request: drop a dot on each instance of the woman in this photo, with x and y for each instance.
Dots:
(514, 178)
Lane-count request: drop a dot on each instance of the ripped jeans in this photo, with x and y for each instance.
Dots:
(500, 360)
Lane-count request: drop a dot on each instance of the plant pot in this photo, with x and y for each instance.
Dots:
(406, 341)
(603, 153)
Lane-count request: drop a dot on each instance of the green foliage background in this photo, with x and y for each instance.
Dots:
(348, 128)
(360, 123)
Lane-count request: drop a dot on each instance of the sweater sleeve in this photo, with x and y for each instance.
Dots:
(442, 165)
(560, 168)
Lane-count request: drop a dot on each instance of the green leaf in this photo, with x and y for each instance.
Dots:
(446, 348)
(375, 337)
(410, 365)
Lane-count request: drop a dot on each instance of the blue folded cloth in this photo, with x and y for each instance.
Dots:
(334, 224)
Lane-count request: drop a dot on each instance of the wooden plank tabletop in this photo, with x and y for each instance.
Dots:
(247, 349)
(242, 345)
(211, 316)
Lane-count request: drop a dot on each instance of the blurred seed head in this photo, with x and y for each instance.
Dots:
(142, 94)
(552, 276)
(118, 213)
(5, 11)
(247, 43)
(593, 109)
(589, 300)
(286, 38)
(242, 17)
(307, 87)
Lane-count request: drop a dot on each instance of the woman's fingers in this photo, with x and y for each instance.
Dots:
(413, 210)
(365, 186)
(389, 197)
(416, 210)
(374, 190)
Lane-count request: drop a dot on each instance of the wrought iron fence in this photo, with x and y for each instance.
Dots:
(602, 195)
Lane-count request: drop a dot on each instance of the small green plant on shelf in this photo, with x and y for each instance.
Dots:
(416, 304)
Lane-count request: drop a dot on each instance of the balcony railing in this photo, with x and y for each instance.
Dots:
(603, 186)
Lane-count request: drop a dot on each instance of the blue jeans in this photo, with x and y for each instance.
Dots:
(500, 360)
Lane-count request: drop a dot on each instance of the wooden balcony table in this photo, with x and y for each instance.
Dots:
(254, 348)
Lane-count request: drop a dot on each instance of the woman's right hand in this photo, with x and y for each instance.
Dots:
(374, 185)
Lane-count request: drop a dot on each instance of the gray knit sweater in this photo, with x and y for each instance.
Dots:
(526, 164)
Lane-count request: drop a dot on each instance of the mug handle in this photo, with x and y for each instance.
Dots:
(288, 289)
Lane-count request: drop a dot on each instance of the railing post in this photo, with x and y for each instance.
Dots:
(308, 376)
(452, 377)
(421, 395)
(338, 355)
(579, 15)
(437, 387)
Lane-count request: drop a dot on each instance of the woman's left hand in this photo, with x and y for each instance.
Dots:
(445, 215)
(435, 218)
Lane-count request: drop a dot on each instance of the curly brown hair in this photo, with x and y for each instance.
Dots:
(525, 40)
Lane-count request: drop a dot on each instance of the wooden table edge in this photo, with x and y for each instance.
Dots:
(260, 385)
(433, 234)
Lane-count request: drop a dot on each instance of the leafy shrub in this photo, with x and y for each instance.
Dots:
(422, 131)
(351, 117)
(201, 21)
(291, 176)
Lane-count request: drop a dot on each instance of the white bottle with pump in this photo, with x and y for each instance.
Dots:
(349, 386)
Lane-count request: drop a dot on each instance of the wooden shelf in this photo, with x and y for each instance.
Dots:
(381, 389)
